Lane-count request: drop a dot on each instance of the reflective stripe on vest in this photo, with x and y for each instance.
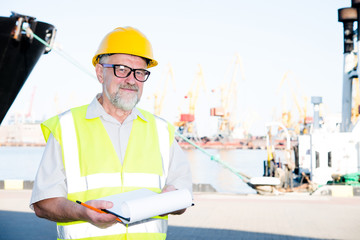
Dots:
(78, 230)
(163, 134)
(77, 183)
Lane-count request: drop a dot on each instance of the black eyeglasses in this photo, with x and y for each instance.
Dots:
(122, 71)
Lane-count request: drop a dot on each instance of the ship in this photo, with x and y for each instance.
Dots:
(19, 53)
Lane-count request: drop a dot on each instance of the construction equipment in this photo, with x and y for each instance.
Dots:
(355, 110)
(286, 115)
(193, 94)
(187, 120)
(28, 114)
(159, 97)
(302, 126)
(228, 98)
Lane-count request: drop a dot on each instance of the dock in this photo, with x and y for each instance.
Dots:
(292, 216)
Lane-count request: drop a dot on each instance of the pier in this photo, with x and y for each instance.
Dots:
(218, 216)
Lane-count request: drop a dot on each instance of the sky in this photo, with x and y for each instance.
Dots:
(301, 38)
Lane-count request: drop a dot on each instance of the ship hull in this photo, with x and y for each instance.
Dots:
(18, 57)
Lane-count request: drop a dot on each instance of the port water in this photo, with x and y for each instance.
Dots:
(22, 163)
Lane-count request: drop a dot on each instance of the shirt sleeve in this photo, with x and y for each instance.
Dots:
(179, 169)
(50, 180)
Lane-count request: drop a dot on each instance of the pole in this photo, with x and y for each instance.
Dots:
(316, 101)
(311, 157)
(348, 16)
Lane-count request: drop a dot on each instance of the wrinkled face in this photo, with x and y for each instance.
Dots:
(122, 93)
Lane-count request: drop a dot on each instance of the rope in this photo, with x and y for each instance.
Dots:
(76, 64)
(66, 56)
(213, 157)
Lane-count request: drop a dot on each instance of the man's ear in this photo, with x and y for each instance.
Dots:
(99, 73)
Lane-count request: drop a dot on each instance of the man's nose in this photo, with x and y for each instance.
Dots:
(131, 78)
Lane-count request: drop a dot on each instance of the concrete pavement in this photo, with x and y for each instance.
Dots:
(218, 216)
(293, 216)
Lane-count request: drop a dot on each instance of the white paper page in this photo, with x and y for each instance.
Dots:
(118, 199)
(143, 203)
(144, 208)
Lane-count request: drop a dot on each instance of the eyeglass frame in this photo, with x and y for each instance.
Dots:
(147, 73)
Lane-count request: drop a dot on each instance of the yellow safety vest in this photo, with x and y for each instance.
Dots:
(93, 169)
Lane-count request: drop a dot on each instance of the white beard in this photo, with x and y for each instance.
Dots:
(123, 100)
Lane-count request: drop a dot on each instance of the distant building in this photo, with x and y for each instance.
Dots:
(26, 134)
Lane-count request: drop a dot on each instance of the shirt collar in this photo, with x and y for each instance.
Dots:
(95, 109)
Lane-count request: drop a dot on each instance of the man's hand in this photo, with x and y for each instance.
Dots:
(100, 220)
(169, 188)
(63, 210)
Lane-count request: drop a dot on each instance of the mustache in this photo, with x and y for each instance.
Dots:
(128, 86)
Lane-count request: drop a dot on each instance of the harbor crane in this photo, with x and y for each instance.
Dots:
(301, 126)
(356, 101)
(187, 120)
(228, 99)
(28, 115)
(159, 97)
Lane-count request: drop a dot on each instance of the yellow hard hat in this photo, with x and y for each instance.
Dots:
(126, 40)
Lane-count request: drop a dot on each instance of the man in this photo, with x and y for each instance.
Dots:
(273, 165)
(109, 147)
(289, 168)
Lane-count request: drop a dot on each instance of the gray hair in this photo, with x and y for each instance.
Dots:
(103, 56)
